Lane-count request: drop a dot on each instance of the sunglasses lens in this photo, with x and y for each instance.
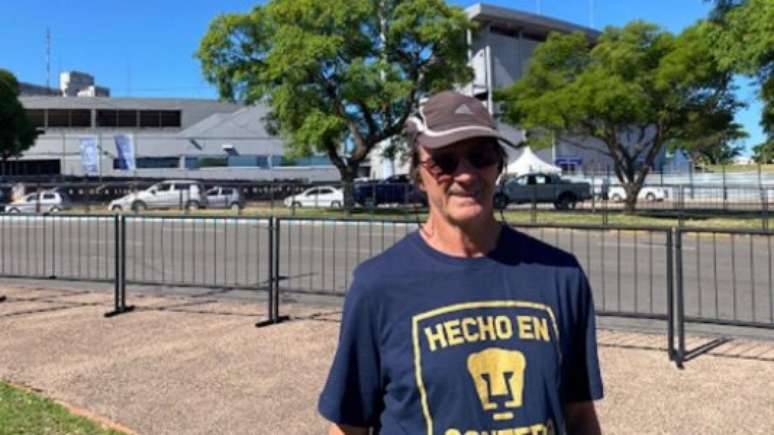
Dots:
(447, 163)
(483, 160)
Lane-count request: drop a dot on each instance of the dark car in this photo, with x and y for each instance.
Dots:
(397, 189)
(541, 188)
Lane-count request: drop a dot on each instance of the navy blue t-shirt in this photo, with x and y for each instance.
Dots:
(435, 344)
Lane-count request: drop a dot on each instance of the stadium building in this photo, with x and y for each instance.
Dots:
(499, 51)
(171, 137)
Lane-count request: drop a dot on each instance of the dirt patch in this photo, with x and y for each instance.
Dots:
(199, 365)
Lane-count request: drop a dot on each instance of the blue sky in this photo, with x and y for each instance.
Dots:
(145, 48)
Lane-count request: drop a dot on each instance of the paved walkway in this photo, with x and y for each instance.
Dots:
(199, 366)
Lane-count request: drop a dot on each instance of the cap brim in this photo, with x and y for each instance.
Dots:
(444, 140)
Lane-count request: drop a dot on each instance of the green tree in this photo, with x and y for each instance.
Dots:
(716, 148)
(17, 133)
(764, 153)
(742, 35)
(632, 91)
(339, 76)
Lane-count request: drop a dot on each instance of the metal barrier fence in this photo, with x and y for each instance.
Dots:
(720, 276)
(198, 251)
(58, 246)
(723, 277)
(629, 268)
(317, 255)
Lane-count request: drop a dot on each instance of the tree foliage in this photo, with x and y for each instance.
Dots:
(716, 148)
(339, 76)
(742, 35)
(633, 90)
(764, 153)
(17, 133)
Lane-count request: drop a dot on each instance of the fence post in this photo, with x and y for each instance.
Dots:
(765, 205)
(725, 191)
(680, 320)
(274, 316)
(271, 315)
(119, 279)
(87, 191)
(271, 196)
(37, 199)
(275, 256)
(680, 206)
(670, 297)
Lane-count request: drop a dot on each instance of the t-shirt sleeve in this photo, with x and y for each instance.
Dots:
(352, 394)
(581, 379)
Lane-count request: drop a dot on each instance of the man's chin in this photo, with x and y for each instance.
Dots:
(466, 213)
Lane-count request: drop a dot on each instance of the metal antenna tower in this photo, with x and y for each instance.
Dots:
(48, 59)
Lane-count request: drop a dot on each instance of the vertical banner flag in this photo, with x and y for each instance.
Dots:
(125, 151)
(89, 155)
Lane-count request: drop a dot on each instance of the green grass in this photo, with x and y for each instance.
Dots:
(26, 413)
(740, 168)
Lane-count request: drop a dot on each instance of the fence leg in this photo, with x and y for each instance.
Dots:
(680, 320)
(119, 280)
(274, 316)
(670, 298)
(765, 204)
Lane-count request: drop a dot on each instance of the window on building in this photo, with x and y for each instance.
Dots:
(37, 117)
(152, 163)
(170, 118)
(127, 118)
(58, 118)
(107, 118)
(150, 118)
(213, 161)
(80, 118)
(30, 167)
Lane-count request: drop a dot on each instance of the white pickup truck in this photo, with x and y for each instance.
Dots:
(647, 193)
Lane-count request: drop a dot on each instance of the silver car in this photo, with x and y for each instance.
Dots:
(47, 201)
(225, 197)
(167, 194)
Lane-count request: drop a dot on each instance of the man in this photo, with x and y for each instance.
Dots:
(465, 326)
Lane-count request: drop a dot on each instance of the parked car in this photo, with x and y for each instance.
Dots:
(225, 197)
(647, 193)
(396, 189)
(321, 196)
(167, 194)
(541, 188)
(47, 201)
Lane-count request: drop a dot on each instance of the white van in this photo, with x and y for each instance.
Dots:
(167, 194)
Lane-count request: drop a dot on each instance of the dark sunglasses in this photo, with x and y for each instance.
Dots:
(447, 163)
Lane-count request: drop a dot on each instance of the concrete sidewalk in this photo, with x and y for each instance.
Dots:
(199, 365)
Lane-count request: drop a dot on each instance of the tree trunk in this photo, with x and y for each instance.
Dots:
(632, 191)
(347, 178)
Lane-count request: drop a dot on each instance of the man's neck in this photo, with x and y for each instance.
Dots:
(474, 240)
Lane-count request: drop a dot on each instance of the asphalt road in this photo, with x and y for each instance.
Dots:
(725, 277)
